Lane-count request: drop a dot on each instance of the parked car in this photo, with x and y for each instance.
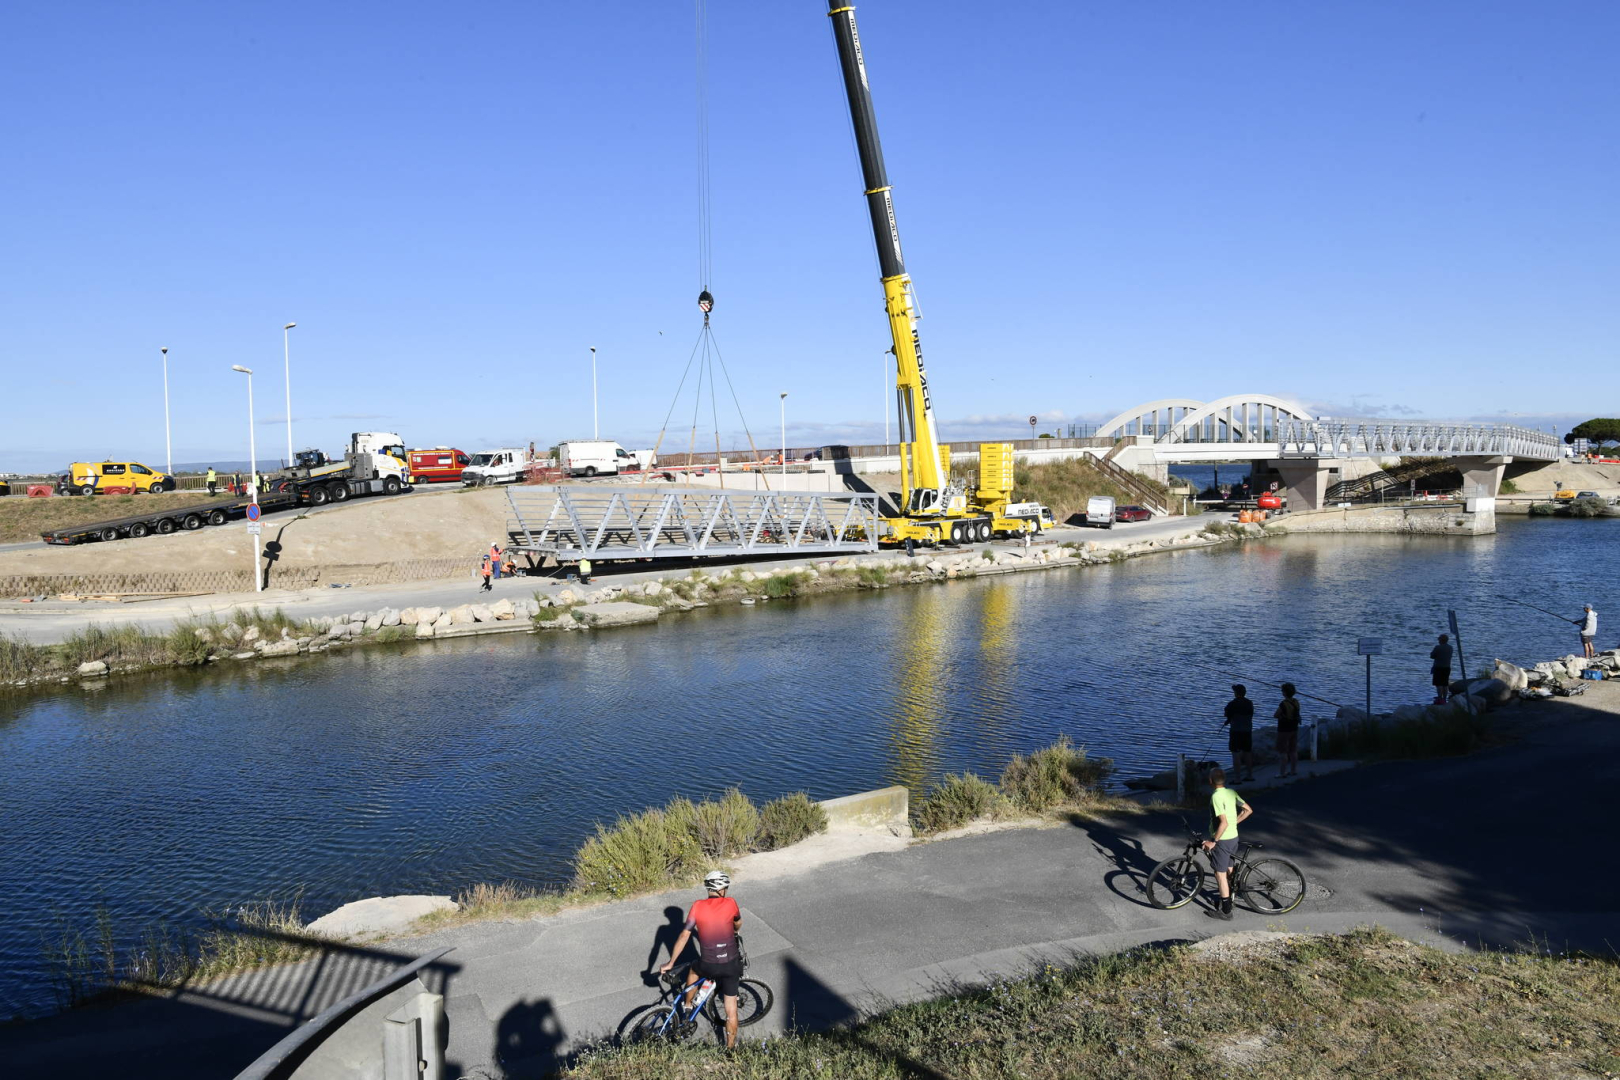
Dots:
(90, 477)
(1587, 495)
(1132, 513)
(1100, 511)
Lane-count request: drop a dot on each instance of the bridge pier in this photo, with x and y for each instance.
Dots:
(1306, 482)
(1482, 475)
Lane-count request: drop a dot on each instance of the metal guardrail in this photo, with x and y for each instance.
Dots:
(1331, 437)
(265, 1066)
(575, 522)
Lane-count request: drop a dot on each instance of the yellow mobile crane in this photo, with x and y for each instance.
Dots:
(935, 511)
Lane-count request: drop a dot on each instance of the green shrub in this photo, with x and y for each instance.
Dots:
(1055, 776)
(186, 647)
(955, 801)
(873, 575)
(783, 586)
(788, 820)
(1508, 487)
(1588, 507)
(1542, 509)
(641, 853)
(726, 827)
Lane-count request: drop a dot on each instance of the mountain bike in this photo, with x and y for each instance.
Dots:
(1269, 886)
(669, 1019)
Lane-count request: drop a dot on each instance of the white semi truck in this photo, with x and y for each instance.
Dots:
(373, 465)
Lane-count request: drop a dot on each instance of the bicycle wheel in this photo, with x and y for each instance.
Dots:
(1175, 882)
(754, 1000)
(659, 1025)
(1271, 886)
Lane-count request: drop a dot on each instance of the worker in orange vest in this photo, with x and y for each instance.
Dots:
(495, 557)
(484, 572)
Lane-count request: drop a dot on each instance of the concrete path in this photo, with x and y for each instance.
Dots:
(49, 622)
(1502, 848)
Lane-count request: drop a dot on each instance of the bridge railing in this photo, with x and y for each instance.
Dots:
(1334, 437)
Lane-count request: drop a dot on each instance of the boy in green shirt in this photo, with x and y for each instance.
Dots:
(1228, 810)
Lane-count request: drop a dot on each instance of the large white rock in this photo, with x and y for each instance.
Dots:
(408, 617)
(250, 635)
(424, 629)
(374, 621)
(652, 588)
(462, 615)
(378, 915)
(92, 668)
(428, 614)
(390, 617)
(503, 609)
(359, 616)
(482, 613)
(567, 596)
(623, 613)
(278, 648)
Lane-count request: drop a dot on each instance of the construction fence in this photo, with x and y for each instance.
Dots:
(193, 582)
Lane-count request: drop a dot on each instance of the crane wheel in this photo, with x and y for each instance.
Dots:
(956, 534)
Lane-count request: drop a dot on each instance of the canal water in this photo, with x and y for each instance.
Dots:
(422, 769)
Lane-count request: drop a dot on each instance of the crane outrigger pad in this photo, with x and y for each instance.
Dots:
(570, 522)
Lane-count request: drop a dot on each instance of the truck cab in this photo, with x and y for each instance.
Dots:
(376, 454)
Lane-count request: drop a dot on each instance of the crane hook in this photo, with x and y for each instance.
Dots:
(705, 304)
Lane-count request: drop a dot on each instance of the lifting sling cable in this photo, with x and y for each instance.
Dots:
(706, 352)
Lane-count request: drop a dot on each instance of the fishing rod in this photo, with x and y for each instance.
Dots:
(1263, 682)
(1544, 611)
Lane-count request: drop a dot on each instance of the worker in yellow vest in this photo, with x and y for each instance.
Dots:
(213, 481)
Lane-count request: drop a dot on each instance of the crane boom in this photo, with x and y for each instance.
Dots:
(925, 480)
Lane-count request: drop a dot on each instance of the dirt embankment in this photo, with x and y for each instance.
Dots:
(424, 525)
(25, 519)
(1544, 478)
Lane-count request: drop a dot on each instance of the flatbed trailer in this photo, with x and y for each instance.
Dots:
(174, 519)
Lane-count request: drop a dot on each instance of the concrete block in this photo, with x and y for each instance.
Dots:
(620, 613)
(869, 809)
(278, 648)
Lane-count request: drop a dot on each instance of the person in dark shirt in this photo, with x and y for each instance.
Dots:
(1287, 717)
(1440, 669)
(1240, 718)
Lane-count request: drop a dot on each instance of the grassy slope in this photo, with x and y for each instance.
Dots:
(1066, 485)
(25, 519)
(1361, 1004)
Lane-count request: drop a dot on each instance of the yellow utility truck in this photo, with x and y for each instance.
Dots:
(90, 477)
(935, 510)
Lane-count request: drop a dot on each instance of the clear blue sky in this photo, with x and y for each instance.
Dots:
(1378, 208)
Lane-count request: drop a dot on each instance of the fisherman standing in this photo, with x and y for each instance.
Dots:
(1588, 625)
(1440, 669)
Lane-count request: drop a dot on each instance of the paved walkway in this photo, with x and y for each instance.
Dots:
(1464, 851)
(49, 622)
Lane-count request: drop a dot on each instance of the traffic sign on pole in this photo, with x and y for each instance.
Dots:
(253, 512)
(254, 528)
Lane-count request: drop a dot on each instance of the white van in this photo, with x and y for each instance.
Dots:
(600, 457)
(1100, 511)
(504, 466)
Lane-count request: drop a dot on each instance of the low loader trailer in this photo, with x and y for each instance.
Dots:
(162, 522)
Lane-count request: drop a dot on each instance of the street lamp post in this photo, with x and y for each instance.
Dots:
(168, 446)
(253, 478)
(286, 361)
(596, 430)
(784, 433)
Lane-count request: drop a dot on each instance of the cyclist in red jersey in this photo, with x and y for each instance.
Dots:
(716, 920)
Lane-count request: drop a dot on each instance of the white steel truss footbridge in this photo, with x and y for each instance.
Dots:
(572, 522)
(1262, 426)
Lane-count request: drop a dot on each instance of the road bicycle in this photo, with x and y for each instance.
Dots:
(1269, 886)
(669, 1019)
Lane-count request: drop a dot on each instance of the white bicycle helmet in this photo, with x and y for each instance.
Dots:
(717, 879)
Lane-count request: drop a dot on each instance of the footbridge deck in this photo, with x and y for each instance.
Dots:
(575, 522)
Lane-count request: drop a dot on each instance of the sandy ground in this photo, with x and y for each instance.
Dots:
(1547, 478)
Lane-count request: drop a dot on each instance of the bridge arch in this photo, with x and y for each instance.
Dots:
(1238, 418)
(1145, 417)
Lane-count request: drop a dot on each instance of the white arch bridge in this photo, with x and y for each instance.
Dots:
(1263, 427)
